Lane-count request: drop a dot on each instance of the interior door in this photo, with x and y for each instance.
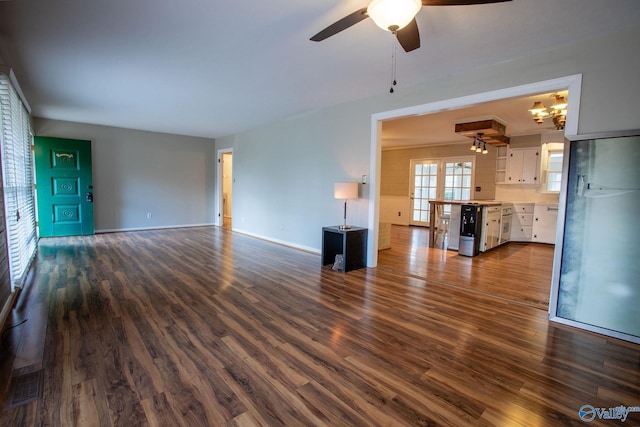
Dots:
(424, 186)
(64, 186)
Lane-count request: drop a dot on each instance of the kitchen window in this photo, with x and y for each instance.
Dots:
(552, 155)
(554, 174)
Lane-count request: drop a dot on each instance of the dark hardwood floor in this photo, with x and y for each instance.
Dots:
(206, 327)
(518, 272)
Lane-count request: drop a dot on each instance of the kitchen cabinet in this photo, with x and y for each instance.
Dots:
(545, 220)
(523, 166)
(501, 163)
(522, 225)
(490, 236)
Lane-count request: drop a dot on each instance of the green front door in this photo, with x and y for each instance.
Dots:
(64, 186)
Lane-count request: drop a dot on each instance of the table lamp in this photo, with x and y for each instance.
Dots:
(345, 190)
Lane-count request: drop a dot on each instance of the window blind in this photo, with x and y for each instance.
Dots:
(17, 171)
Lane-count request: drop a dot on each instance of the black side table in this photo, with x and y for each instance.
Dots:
(351, 243)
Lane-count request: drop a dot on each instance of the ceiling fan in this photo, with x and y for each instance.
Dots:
(397, 16)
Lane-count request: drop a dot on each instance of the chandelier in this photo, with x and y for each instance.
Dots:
(558, 111)
(479, 144)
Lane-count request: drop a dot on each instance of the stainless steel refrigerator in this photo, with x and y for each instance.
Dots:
(597, 281)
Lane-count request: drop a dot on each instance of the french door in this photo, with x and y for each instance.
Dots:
(458, 180)
(449, 178)
(424, 187)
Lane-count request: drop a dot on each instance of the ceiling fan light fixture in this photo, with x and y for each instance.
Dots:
(393, 15)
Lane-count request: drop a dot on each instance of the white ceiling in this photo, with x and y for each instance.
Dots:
(213, 68)
(439, 128)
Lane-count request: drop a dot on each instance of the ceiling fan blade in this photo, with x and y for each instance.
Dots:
(458, 2)
(409, 37)
(341, 24)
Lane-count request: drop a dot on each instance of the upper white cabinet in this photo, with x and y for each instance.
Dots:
(523, 166)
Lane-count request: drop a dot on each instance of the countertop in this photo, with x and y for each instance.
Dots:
(466, 202)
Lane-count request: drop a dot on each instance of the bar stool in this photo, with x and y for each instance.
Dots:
(442, 227)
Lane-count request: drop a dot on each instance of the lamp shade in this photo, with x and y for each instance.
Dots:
(538, 108)
(345, 190)
(560, 103)
(392, 15)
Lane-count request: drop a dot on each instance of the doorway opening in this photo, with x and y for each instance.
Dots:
(571, 84)
(225, 188)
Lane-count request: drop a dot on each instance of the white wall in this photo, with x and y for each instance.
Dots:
(284, 175)
(137, 172)
(285, 171)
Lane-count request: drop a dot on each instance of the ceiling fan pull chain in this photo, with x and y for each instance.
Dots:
(393, 61)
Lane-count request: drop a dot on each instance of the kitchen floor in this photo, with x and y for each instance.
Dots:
(518, 272)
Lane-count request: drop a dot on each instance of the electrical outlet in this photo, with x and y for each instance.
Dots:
(149, 215)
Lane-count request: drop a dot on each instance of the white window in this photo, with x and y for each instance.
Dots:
(552, 154)
(554, 173)
(16, 138)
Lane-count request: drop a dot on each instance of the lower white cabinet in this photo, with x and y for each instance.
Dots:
(534, 222)
(545, 221)
(490, 236)
(522, 224)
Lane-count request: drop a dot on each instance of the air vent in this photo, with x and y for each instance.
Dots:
(26, 385)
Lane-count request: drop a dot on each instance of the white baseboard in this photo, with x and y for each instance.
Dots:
(596, 329)
(159, 227)
(314, 251)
